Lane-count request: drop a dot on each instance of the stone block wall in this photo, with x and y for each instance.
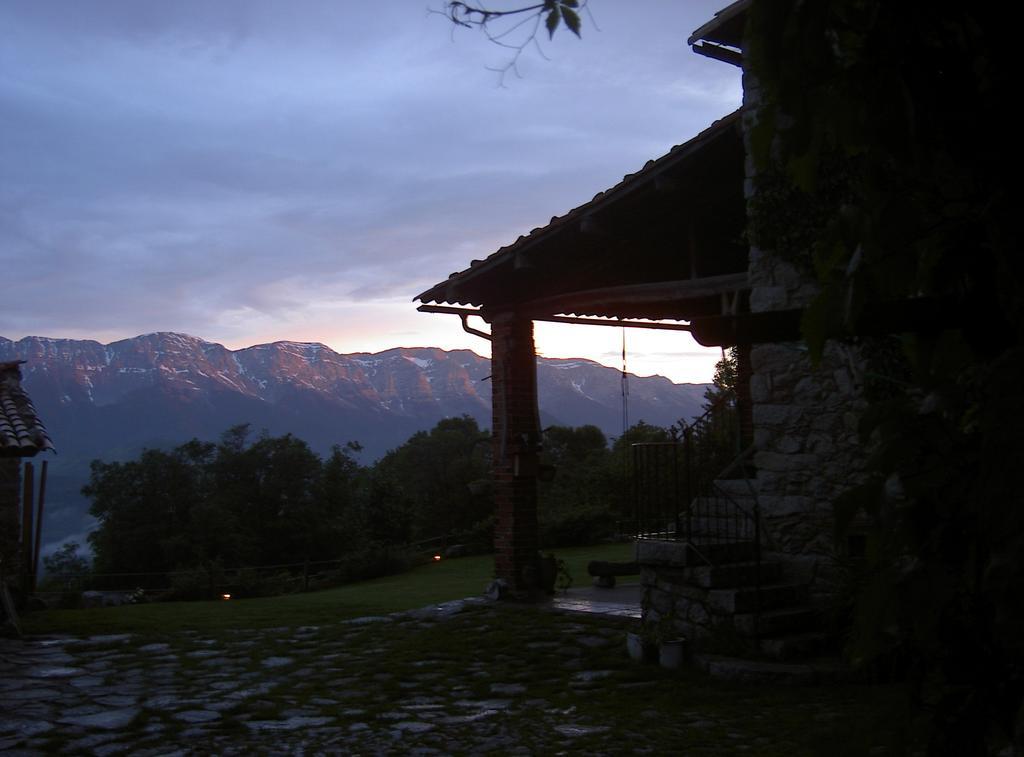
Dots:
(808, 452)
(669, 601)
(673, 603)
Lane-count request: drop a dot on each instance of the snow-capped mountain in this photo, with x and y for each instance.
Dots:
(110, 400)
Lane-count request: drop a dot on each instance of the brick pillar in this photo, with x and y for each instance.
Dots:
(515, 440)
(10, 525)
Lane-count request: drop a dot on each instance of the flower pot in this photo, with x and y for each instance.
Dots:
(640, 649)
(671, 653)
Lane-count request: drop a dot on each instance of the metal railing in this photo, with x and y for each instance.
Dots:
(679, 486)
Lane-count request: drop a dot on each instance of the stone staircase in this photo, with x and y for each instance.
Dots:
(716, 590)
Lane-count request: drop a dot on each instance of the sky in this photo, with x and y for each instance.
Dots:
(248, 171)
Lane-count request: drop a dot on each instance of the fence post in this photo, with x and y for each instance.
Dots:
(27, 503)
(688, 461)
(305, 575)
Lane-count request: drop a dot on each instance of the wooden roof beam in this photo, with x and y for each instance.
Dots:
(636, 294)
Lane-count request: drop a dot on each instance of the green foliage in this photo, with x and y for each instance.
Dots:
(714, 436)
(66, 571)
(576, 506)
(558, 11)
(191, 517)
(422, 489)
(423, 585)
(881, 143)
(232, 504)
(724, 380)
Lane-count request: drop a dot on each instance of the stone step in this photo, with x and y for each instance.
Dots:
(796, 645)
(825, 670)
(719, 553)
(771, 597)
(717, 510)
(723, 500)
(693, 553)
(712, 529)
(776, 622)
(736, 487)
(734, 574)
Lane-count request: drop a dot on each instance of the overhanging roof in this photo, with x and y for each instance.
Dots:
(722, 37)
(666, 242)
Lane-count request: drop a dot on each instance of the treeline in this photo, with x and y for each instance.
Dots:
(248, 500)
(260, 500)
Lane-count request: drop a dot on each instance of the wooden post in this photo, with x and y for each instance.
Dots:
(8, 613)
(39, 525)
(27, 500)
(305, 575)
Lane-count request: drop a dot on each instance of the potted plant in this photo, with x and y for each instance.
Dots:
(671, 644)
(642, 644)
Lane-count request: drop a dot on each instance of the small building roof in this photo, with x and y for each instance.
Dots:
(22, 434)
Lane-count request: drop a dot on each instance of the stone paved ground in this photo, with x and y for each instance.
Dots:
(438, 681)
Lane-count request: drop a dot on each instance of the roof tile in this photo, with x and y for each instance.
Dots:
(22, 434)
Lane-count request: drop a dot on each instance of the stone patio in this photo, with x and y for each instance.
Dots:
(438, 680)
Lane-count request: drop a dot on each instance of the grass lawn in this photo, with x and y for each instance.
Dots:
(427, 584)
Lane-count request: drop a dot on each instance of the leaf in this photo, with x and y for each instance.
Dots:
(551, 22)
(572, 19)
(762, 136)
(861, 498)
(816, 325)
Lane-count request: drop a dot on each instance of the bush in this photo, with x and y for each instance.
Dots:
(577, 526)
(196, 583)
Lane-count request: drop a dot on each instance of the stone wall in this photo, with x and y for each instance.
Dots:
(805, 416)
(671, 602)
(808, 452)
(684, 596)
(10, 520)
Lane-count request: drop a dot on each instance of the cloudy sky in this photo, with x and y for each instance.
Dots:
(247, 171)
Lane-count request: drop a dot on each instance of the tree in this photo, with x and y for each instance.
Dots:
(516, 28)
(577, 505)
(723, 383)
(144, 508)
(431, 475)
(65, 567)
(339, 493)
(233, 504)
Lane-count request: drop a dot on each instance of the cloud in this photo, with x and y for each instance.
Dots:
(206, 167)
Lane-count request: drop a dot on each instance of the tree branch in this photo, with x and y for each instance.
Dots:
(515, 28)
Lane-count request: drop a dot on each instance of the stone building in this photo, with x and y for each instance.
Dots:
(669, 243)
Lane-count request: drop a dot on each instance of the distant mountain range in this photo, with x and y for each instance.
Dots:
(111, 400)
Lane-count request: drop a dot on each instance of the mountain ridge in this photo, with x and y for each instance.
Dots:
(160, 389)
